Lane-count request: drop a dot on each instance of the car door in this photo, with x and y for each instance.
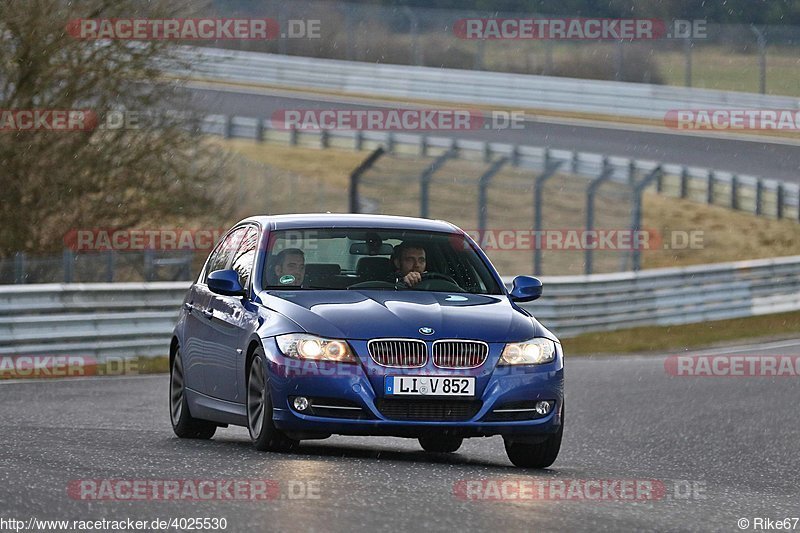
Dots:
(208, 337)
(231, 321)
(195, 335)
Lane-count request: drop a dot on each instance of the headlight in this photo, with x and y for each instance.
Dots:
(534, 352)
(302, 346)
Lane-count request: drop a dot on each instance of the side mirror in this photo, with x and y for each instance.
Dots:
(225, 282)
(525, 289)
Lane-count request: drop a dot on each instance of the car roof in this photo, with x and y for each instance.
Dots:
(350, 220)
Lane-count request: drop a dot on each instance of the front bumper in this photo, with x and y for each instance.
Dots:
(360, 386)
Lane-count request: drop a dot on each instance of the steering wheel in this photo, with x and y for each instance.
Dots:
(438, 281)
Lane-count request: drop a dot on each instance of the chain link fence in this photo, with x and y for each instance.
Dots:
(495, 202)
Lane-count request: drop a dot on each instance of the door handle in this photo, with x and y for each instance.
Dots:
(189, 307)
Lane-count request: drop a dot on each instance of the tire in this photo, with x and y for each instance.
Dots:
(538, 455)
(263, 433)
(440, 444)
(184, 424)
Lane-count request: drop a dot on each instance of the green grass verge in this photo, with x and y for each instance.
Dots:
(665, 338)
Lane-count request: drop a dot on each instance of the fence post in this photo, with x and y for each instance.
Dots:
(68, 262)
(324, 139)
(487, 152)
(779, 201)
(631, 172)
(636, 215)
(149, 266)
(390, 142)
(574, 163)
(590, 192)
(260, 130)
(684, 182)
(759, 195)
(483, 186)
(228, 126)
(293, 137)
(735, 192)
(111, 263)
(355, 176)
(19, 267)
(359, 141)
(479, 51)
(515, 155)
(620, 60)
(423, 146)
(687, 49)
(710, 188)
(427, 176)
(550, 169)
(762, 59)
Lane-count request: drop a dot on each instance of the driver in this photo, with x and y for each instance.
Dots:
(409, 262)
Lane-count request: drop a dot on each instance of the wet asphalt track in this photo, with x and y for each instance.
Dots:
(735, 441)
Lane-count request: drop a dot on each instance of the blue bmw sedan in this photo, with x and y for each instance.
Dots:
(304, 326)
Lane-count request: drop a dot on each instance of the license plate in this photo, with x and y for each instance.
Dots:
(429, 386)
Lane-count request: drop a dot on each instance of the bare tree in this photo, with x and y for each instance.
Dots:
(157, 172)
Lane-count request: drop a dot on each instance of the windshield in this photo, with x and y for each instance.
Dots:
(358, 258)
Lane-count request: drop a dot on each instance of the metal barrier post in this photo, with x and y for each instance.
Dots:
(590, 192)
(759, 195)
(710, 188)
(68, 262)
(426, 177)
(260, 130)
(684, 182)
(636, 215)
(19, 267)
(483, 186)
(355, 176)
(111, 260)
(550, 168)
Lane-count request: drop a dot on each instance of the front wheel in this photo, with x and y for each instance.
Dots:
(536, 455)
(184, 424)
(263, 433)
(441, 444)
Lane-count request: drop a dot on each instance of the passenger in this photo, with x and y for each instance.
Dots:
(289, 267)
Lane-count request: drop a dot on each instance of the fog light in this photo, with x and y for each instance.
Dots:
(542, 408)
(301, 403)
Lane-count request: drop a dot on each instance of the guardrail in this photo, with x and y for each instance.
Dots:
(468, 86)
(94, 319)
(128, 319)
(760, 196)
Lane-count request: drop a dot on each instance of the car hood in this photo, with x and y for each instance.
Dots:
(368, 314)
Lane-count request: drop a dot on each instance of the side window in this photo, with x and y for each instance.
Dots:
(243, 260)
(221, 256)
